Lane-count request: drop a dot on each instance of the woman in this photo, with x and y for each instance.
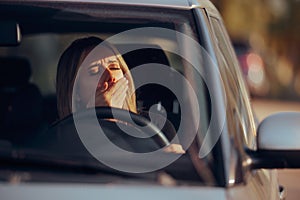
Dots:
(85, 68)
(113, 88)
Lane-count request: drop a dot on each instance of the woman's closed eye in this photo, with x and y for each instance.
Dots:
(96, 69)
(114, 66)
(93, 70)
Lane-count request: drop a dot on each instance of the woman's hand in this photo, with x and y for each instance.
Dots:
(174, 148)
(111, 93)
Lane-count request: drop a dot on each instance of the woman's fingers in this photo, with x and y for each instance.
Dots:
(119, 97)
(114, 95)
(123, 82)
(119, 93)
(174, 148)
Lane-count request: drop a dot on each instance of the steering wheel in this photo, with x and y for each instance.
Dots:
(106, 113)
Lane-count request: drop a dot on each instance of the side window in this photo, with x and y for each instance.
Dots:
(239, 112)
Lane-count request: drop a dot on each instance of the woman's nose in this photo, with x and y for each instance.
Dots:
(111, 76)
(106, 80)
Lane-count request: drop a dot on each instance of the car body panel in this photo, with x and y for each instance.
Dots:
(238, 181)
(259, 186)
(255, 180)
(75, 191)
(179, 4)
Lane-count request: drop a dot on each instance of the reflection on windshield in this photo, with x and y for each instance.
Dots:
(139, 120)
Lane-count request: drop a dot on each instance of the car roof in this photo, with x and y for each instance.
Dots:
(177, 3)
(180, 4)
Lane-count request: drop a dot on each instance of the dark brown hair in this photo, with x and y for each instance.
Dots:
(67, 69)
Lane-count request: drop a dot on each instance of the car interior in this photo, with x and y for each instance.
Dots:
(31, 48)
(29, 52)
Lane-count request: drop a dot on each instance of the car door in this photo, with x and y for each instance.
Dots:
(247, 184)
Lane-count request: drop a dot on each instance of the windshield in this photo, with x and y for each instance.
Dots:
(109, 90)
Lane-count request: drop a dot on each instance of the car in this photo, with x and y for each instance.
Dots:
(186, 74)
(253, 68)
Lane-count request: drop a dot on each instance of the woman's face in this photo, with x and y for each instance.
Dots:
(102, 72)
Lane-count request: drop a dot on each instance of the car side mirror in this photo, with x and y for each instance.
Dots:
(278, 142)
(10, 34)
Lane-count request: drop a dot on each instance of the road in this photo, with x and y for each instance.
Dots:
(289, 178)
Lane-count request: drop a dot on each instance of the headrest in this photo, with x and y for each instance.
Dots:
(14, 71)
(145, 56)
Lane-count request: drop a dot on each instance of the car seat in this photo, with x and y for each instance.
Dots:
(20, 101)
(151, 94)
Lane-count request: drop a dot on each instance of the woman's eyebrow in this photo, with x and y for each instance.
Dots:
(112, 61)
(97, 63)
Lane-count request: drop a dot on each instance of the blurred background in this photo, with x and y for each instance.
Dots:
(266, 38)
